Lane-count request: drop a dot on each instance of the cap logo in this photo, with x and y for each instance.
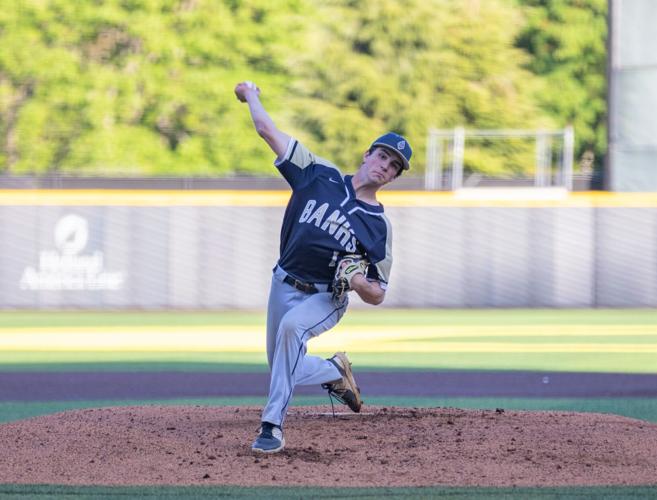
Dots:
(401, 145)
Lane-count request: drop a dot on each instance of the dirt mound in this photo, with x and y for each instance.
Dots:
(380, 447)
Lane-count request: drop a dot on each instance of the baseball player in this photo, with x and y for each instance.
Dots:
(335, 238)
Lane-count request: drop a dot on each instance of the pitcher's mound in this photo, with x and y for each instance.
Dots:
(380, 447)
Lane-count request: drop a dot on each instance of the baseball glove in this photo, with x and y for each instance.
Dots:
(348, 267)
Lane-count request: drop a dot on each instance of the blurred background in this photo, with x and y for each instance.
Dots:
(140, 212)
(517, 111)
(143, 88)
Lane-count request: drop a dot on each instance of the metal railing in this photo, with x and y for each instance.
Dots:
(442, 175)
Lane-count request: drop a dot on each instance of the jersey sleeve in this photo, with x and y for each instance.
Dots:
(297, 164)
(380, 270)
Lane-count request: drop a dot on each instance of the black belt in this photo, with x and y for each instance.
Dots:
(300, 285)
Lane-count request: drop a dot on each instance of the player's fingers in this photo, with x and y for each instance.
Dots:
(256, 88)
(250, 85)
(242, 87)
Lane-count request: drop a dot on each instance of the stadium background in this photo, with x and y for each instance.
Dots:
(179, 250)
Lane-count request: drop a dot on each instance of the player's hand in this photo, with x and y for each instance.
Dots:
(351, 265)
(243, 89)
(357, 282)
(369, 291)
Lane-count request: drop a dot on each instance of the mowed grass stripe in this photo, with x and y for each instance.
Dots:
(379, 317)
(389, 331)
(240, 338)
(251, 362)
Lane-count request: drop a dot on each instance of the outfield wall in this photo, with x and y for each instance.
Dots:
(215, 250)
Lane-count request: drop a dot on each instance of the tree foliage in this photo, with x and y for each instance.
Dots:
(567, 43)
(145, 87)
(136, 87)
(408, 65)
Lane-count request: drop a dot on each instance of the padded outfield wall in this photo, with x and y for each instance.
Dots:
(215, 250)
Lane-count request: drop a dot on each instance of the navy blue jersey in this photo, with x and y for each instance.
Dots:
(324, 221)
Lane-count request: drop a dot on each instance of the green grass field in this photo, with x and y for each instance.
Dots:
(556, 340)
(622, 341)
(370, 317)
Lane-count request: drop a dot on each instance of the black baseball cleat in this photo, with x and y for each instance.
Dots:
(345, 389)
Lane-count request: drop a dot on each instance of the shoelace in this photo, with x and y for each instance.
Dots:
(334, 395)
(329, 388)
(331, 400)
(266, 431)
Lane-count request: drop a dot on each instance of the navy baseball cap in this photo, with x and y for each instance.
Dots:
(397, 144)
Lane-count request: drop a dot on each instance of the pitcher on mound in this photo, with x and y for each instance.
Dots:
(335, 238)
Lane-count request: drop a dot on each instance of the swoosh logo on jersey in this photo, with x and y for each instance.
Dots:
(333, 180)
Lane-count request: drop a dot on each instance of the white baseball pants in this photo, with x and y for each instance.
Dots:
(293, 318)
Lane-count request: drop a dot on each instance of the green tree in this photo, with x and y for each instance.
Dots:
(408, 65)
(136, 87)
(566, 40)
(145, 87)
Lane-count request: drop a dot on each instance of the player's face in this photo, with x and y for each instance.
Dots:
(381, 165)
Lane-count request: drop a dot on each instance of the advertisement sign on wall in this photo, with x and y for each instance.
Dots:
(68, 267)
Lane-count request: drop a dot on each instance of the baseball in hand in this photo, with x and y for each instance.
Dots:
(240, 89)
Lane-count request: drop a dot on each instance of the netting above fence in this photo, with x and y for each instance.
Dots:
(468, 158)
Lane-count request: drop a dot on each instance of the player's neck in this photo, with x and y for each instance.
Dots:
(364, 191)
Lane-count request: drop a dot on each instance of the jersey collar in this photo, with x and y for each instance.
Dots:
(352, 197)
